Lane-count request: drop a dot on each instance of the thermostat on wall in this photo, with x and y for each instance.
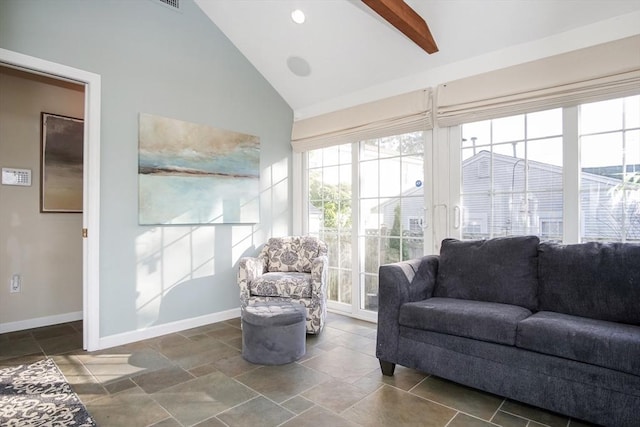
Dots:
(11, 176)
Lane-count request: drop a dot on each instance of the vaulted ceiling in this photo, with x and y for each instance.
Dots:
(345, 53)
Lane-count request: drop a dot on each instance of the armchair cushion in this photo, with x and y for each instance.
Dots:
(293, 253)
(278, 284)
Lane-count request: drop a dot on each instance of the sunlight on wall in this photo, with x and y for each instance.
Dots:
(279, 197)
(167, 256)
(242, 240)
(176, 263)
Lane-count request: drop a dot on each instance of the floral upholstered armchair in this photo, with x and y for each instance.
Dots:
(292, 269)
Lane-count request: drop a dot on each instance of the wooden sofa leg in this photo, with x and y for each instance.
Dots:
(387, 368)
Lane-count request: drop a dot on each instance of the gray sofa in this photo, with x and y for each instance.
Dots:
(555, 326)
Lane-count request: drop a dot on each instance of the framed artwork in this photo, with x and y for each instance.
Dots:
(190, 173)
(61, 163)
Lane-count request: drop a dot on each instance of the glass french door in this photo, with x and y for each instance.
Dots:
(330, 214)
(366, 201)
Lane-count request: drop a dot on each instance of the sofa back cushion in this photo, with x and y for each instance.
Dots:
(502, 270)
(596, 280)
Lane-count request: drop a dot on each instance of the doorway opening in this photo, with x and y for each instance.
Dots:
(91, 179)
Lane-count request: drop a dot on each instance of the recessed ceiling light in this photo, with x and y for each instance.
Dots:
(298, 16)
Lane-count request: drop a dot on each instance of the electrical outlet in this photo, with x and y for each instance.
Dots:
(16, 283)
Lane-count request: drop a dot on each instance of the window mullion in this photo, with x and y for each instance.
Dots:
(624, 219)
(454, 228)
(429, 177)
(571, 175)
(357, 252)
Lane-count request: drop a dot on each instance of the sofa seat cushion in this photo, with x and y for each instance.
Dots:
(599, 342)
(296, 285)
(486, 321)
(503, 270)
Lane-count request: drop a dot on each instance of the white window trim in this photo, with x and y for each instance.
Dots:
(300, 215)
(571, 176)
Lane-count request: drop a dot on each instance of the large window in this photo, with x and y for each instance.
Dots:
(610, 170)
(513, 170)
(512, 176)
(377, 221)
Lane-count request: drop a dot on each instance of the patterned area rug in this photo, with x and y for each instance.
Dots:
(38, 395)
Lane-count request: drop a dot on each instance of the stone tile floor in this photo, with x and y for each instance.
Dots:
(199, 378)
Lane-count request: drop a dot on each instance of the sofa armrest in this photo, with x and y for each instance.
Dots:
(248, 269)
(399, 283)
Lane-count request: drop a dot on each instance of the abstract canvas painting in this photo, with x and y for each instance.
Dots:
(61, 168)
(192, 173)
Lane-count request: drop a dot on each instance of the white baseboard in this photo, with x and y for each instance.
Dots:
(168, 328)
(40, 321)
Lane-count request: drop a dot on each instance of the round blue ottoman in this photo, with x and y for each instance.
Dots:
(273, 333)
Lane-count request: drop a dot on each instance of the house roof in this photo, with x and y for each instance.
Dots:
(587, 174)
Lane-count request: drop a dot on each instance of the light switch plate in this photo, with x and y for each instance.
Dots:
(12, 176)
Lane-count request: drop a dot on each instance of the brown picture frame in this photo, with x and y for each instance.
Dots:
(61, 163)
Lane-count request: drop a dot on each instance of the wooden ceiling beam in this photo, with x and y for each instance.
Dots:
(404, 18)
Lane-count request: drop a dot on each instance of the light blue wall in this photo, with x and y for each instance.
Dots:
(175, 64)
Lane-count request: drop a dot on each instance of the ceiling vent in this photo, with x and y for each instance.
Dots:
(173, 4)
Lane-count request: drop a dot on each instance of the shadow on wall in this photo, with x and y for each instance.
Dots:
(194, 297)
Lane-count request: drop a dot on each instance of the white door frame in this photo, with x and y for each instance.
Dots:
(91, 181)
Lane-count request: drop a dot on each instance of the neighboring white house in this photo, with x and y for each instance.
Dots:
(530, 203)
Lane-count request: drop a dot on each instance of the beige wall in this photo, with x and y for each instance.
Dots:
(44, 248)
